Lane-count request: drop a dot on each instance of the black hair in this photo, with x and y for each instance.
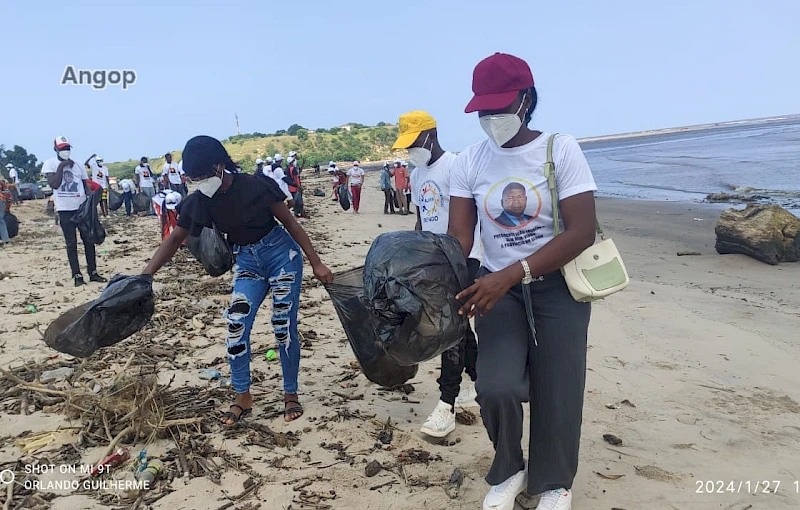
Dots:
(167, 154)
(534, 102)
(514, 186)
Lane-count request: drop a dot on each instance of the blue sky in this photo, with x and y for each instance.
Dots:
(600, 67)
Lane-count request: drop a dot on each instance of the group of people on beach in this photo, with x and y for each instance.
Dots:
(530, 336)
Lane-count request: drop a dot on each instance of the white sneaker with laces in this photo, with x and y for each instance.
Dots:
(559, 499)
(441, 421)
(503, 496)
(466, 397)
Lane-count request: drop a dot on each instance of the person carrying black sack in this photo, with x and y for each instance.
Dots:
(70, 189)
(248, 208)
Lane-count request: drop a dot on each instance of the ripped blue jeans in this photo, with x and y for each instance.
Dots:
(274, 263)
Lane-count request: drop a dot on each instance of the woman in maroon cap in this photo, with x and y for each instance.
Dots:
(531, 333)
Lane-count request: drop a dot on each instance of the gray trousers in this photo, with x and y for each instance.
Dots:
(512, 369)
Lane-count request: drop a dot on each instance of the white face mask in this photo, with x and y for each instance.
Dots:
(210, 186)
(63, 155)
(502, 127)
(420, 156)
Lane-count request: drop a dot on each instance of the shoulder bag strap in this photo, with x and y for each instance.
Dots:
(550, 175)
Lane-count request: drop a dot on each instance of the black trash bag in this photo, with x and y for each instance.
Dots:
(344, 197)
(394, 199)
(347, 291)
(141, 203)
(411, 279)
(124, 307)
(12, 224)
(212, 250)
(50, 209)
(114, 200)
(88, 220)
(319, 193)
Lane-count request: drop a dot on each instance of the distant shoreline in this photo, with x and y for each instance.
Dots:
(698, 127)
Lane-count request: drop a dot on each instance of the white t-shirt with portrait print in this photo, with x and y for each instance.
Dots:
(99, 173)
(70, 193)
(145, 174)
(173, 173)
(514, 205)
(430, 192)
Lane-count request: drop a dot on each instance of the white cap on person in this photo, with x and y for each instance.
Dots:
(9, 165)
(259, 161)
(172, 200)
(398, 160)
(278, 157)
(292, 154)
(99, 159)
(355, 163)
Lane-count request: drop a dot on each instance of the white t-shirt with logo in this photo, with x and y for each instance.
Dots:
(430, 192)
(173, 172)
(145, 176)
(70, 194)
(356, 175)
(99, 173)
(514, 206)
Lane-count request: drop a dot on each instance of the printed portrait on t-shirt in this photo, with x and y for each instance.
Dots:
(513, 203)
(68, 183)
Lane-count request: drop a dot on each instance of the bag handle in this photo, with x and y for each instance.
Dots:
(550, 174)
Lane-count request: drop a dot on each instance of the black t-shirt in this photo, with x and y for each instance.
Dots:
(243, 211)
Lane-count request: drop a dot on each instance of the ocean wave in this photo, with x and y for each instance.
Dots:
(749, 190)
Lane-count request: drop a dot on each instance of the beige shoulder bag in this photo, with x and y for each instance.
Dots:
(598, 271)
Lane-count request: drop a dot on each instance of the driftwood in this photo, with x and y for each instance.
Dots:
(767, 233)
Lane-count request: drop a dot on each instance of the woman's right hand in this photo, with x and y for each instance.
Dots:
(322, 273)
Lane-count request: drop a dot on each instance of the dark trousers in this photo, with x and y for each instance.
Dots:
(71, 240)
(513, 369)
(127, 197)
(388, 203)
(461, 357)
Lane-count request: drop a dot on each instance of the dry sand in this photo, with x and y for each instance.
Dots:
(693, 367)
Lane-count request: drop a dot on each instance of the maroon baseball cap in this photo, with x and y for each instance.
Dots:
(497, 80)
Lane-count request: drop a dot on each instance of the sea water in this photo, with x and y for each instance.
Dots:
(752, 158)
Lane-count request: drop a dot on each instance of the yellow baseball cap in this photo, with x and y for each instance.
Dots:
(411, 125)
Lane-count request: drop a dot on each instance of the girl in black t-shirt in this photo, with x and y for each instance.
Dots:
(246, 208)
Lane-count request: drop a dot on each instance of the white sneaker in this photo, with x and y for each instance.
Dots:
(466, 397)
(559, 499)
(503, 496)
(441, 422)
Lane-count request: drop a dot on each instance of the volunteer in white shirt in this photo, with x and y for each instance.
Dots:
(356, 178)
(69, 191)
(13, 175)
(144, 183)
(127, 187)
(100, 176)
(172, 175)
(430, 192)
(532, 334)
(274, 170)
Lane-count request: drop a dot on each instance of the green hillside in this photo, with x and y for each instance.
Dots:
(364, 143)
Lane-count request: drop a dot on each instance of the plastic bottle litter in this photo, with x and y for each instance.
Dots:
(57, 374)
(225, 382)
(113, 460)
(271, 355)
(209, 374)
(151, 471)
(31, 308)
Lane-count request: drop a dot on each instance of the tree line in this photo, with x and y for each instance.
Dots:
(28, 167)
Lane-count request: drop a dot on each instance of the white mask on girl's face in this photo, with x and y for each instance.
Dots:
(502, 127)
(63, 155)
(420, 156)
(210, 186)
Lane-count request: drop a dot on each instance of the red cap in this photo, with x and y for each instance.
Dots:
(497, 80)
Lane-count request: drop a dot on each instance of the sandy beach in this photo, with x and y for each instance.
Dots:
(692, 367)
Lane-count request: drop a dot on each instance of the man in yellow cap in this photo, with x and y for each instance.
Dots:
(430, 192)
